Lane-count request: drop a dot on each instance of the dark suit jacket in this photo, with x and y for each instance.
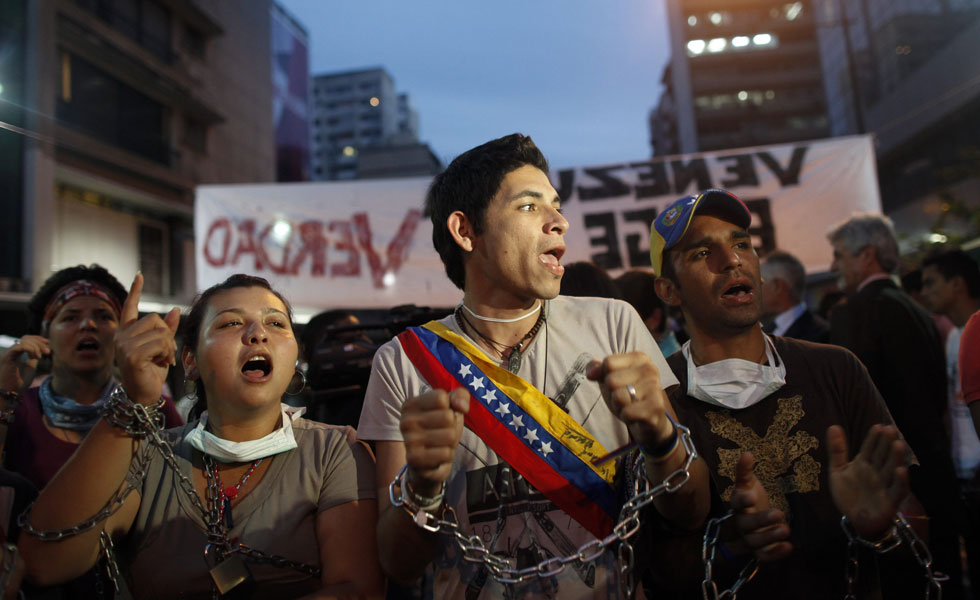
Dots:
(899, 344)
(809, 327)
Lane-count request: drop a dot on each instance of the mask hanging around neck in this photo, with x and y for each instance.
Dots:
(735, 383)
(280, 440)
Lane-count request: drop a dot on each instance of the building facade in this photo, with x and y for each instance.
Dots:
(355, 110)
(906, 71)
(741, 73)
(291, 96)
(113, 111)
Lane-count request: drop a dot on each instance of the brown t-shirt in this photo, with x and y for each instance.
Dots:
(165, 546)
(786, 432)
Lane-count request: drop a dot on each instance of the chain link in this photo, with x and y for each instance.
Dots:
(7, 567)
(900, 532)
(109, 554)
(851, 570)
(280, 562)
(934, 579)
(137, 421)
(141, 422)
(475, 551)
(709, 588)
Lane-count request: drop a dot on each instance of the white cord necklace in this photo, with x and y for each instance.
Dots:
(493, 320)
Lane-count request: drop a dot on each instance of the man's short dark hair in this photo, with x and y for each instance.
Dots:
(956, 263)
(637, 288)
(468, 184)
(667, 270)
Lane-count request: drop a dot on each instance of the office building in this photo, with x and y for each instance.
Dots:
(907, 72)
(357, 110)
(740, 74)
(291, 96)
(113, 112)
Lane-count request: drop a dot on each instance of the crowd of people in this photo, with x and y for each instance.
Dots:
(687, 431)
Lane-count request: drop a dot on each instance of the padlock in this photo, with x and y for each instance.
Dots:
(230, 574)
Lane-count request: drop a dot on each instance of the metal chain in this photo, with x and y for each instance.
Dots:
(140, 422)
(709, 588)
(281, 562)
(8, 566)
(934, 579)
(111, 567)
(135, 420)
(851, 570)
(900, 532)
(475, 551)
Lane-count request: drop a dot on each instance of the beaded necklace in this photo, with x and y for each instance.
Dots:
(227, 493)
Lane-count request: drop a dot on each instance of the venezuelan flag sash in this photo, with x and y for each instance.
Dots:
(523, 426)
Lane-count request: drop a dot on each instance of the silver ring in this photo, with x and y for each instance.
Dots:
(632, 392)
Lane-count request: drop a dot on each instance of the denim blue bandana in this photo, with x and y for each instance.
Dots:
(68, 414)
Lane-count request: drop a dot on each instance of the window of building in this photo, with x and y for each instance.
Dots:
(195, 135)
(99, 105)
(153, 254)
(146, 22)
(194, 42)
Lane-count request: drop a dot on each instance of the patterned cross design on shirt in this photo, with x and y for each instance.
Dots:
(781, 460)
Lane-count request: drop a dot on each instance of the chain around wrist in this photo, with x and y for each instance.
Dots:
(420, 508)
(132, 417)
(886, 543)
(426, 503)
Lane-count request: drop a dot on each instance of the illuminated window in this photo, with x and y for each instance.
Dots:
(762, 39)
(716, 18)
(692, 21)
(740, 41)
(695, 47)
(717, 45)
(793, 10)
(374, 101)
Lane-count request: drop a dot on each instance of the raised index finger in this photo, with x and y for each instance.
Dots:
(130, 308)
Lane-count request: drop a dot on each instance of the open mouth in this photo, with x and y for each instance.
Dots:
(87, 345)
(738, 293)
(552, 260)
(257, 366)
(737, 289)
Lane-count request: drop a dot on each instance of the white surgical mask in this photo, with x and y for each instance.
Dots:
(733, 382)
(280, 440)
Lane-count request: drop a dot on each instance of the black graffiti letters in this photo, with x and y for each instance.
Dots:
(659, 177)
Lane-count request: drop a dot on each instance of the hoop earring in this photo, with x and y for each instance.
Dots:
(190, 388)
(302, 385)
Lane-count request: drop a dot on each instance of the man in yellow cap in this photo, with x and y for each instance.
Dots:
(798, 411)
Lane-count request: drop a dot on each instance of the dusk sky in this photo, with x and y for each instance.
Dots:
(579, 76)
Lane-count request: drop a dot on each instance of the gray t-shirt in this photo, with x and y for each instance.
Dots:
(165, 546)
(492, 500)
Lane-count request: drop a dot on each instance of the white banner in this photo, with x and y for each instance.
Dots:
(365, 244)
